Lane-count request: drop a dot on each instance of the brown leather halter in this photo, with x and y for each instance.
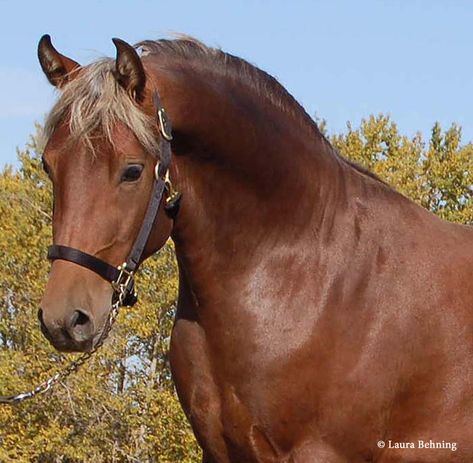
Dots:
(122, 277)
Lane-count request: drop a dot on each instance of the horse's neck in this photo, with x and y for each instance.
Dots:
(238, 159)
(256, 181)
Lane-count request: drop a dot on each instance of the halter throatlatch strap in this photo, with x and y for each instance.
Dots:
(121, 277)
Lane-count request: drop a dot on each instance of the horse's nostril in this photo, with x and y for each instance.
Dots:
(40, 316)
(79, 318)
(80, 326)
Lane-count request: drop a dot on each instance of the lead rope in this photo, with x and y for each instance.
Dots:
(75, 364)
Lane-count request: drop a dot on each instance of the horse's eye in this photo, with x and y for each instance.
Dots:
(132, 173)
(44, 164)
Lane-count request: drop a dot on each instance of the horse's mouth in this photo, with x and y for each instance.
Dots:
(64, 343)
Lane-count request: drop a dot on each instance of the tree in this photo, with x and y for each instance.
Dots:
(438, 176)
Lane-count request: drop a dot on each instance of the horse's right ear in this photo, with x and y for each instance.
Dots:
(58, 68)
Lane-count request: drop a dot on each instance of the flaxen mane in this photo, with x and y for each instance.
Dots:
(94, 102)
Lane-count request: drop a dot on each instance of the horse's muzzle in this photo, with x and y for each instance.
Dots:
(75, 334)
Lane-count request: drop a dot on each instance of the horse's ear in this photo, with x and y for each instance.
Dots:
(129, 70)
(59, 69)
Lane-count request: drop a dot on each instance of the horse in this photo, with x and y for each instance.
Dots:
(321, 315)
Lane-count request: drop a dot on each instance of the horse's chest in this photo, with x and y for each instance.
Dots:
(225, 421)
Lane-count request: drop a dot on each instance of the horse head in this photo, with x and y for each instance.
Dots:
(102, 157)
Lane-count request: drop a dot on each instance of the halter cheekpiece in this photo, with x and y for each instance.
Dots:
(122, 277)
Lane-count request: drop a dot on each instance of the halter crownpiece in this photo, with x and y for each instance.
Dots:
(122, 278)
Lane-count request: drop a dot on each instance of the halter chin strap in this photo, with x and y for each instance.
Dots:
(122, 277)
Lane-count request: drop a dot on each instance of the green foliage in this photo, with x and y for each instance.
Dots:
(121, 407)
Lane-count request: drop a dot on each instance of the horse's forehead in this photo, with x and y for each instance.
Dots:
(125, 141)
(63, 145)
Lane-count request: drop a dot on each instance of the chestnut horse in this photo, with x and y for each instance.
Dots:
(320, 312)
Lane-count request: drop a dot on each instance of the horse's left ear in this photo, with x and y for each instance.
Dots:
(59, 69)
(129, 70)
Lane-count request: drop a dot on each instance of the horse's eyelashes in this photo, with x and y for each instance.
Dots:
(132, 173)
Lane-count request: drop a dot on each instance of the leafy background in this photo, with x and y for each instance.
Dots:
(122, 407)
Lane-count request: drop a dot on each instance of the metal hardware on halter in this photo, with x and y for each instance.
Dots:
(164, 124)
(124, 286)
(171, 204)
(124, 277)
(157, 173)
(173, 194)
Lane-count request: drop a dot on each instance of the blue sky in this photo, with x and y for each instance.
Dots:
(343, 60)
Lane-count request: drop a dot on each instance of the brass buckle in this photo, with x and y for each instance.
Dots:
(172, 193)
(164, 124)
(123, 279)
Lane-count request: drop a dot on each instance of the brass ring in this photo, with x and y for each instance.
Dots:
(156, 171)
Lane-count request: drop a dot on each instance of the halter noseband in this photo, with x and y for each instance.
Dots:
(122, 277)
